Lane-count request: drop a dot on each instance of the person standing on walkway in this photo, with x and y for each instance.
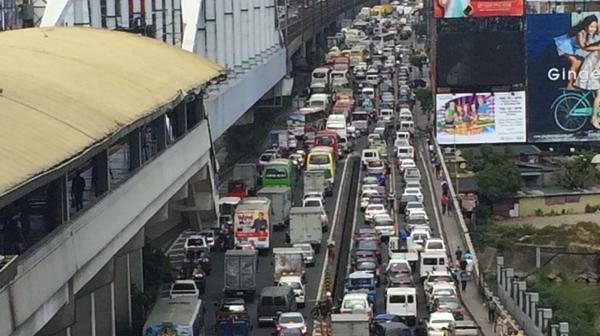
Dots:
(444, 204)
(77, 188)
(491, 306)
(458, 253)
(463, 280)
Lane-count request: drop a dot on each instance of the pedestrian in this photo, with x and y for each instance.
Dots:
(491, 306)
(421, 329)
(445, 187)
(403, 234)
(458, 253)
(463, 280)
(499, 327)
(463, 265)
(77, 188)
(391, 199)
(444, 204)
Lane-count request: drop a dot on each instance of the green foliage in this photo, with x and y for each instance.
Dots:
(574, 303)
(504, 236)
(497, 174)
(418, 61)
(420, 28)
(425, 98)
(539, 212)
(578, 172)
(591, 208)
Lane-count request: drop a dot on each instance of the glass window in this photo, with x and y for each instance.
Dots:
(275, 173)
(319, 159)
(279, 301)
(267, 301)
(397, 299)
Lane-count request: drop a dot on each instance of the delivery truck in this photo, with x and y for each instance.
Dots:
(252, 222)
(281, 203)
(288, 261)
(314, 181)
(182, 315)
(349, 324)
(279, 139)
(240, 273)
(247, 173)
(306, 226)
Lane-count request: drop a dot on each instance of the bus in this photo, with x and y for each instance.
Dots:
(329, 138)
(278, 173)
(176, 316)
(322, 158)
(306, 120)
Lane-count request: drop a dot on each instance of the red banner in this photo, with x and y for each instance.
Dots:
(477, 8)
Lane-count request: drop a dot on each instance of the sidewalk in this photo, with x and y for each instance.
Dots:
(472, 299)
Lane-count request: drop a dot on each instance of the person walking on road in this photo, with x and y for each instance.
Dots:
(463, 280)
(444, 204)
(491, 306)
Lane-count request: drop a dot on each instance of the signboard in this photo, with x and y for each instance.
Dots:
(562, 78)
(483, 117)
(477, 8)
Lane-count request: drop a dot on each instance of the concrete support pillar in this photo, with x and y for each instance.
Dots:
(563, 329)
(159, 128)
(230, 47)
(104, 310)
(80, 13)
(221, 36)
(211, 30)
(84, 312)
(95, 13)
(252, 28)
(538, 257)
(521, 288)
(135, 149)
(547, 316)
(534, 298)
(499, 266)
(122, 292)
(136, 267)
(509, 273)
(100, 173)
(245, 9)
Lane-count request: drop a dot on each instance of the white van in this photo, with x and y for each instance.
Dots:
(387, 115)
(431, 261)
(403, 135)
(373, 79)
(405, 152)
(369, 155)
(407, 126)
(402, 301)
(369, 92)
(320, 100)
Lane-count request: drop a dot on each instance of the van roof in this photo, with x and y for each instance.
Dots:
(401, 290)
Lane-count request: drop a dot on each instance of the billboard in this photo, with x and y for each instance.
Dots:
(482, 117)
(477, 8)
(563, 78)
(484, 58)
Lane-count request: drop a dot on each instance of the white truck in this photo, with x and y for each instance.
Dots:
(252, 222)
(349, 324)
(180, 315)
(306, 226)
(288, 261)
(279, 139)
(281, 203)
(314, 181)
(246, 172)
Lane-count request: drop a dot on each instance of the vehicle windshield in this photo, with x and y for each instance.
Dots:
(441, 278)
(319, 75)
(195, 242)
(375, 164)
(312, 203)
(354, 303)
(367, 245)
(294, 285)
(366, 266)
(435, 246)
(319, 159)
(266, 157)
(233, 308)
(276, 173)
(184, 287)
(324, 140)
(290, 319)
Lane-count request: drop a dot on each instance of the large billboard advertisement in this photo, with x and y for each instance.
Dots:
(563, 77)
(470, 59)
(477, 8)
(483, 117)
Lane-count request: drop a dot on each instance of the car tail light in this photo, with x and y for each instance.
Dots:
(205, 260)
(199, 276)
(278, 328)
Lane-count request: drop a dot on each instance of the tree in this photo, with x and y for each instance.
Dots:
(578, 172)
(418, 61)
(496, 172)
(420, 28)
(425, 98)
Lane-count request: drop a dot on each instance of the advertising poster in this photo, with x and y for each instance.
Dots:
(477, 8)
(484, 117)
(563, 77)
(251, 224)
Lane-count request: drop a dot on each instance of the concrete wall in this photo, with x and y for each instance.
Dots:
(569, 204)
(66, 260)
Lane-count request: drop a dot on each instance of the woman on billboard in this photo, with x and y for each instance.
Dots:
(456, 8)
(577, 44)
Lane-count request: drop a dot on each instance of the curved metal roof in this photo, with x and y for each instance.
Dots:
(63, 90)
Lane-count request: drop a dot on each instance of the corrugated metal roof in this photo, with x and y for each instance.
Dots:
(65, 89)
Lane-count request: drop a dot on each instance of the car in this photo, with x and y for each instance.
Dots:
(292, 320)
(290, 332)
(295, 282)
(435, 245)
(438, 322)
(413, 184)
(407, 163)
(373, 209)
(368, 155)
(398, 265)
(414, 191)
(366, 234)
(410, 206)
(439, 290)
(356, 302)
(366, 196)
(370, 180)
(368, 248)
(197, 251)
(368, 264)
(297, 157)
(418, 237)
(232, 308)
(199, 278)
(314, 194)
(450, 304)
(399, 279)
(211, 238)
(437, 277)
(376, 168)
(265, 158)
(417, 213)
(308, 253)
(184, 288)
(384, 224)
(313, 201)
(405, 199)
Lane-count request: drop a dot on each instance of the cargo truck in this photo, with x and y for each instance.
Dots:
(306, 226)
(279, 139)
(240, 273)
(288, 261)
(252, 222)
(314, 181)
(176, 316)
(247, 173)
(281, 203)
(349, 324)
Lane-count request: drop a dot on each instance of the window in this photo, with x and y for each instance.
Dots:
(276, 173)
(411, 299)
(279, 301)
(397, 299)
(319, 159)
(267, 301)
(324, 141)
(319, 75)
(184, 287)
(429, 261)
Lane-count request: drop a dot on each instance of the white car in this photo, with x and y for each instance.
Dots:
(407, 163)
(413, 184)
(313, 201)
(194, 243)
(384, 224)
(440, 289)
(265, 158)
(376, 168)
(365, 198)
(295, 282)
(184, 288)
(373, 209)
(437, 322)
(314, 194)
(417, 213)
(369, 181)
(356, 303)
(368, 155)
(413, 206)
(435, 245)
(307, 253)
(414, 191)
(418, 237)
(292, 320)
(437, 277)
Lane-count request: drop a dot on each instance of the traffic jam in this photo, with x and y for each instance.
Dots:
(278, 214)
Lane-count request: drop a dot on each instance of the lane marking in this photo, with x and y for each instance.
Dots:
(431, 192)
(332, 228)
(354, 220)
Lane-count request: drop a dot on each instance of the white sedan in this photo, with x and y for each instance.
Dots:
(414, 191)
(407, 163)
(373, 209)
(437, 322)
